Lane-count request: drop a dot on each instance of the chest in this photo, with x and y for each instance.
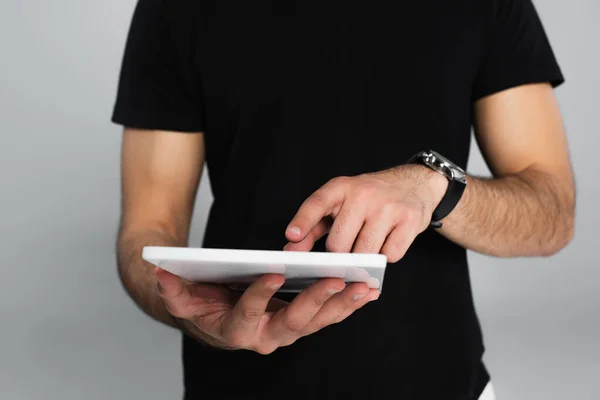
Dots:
(372, 75)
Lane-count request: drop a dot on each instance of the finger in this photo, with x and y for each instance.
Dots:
(242, 322)
(346, 226)
(286, 325)
(398, 242)
(175, 295)
(373, 234)
(336, 306)
(371, 296)
(320, 230)
(320, 204)
(189, 300)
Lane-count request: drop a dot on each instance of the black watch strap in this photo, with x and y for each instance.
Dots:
(450, 199)
(453, 194)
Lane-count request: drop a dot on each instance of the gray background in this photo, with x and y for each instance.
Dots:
(67, 330)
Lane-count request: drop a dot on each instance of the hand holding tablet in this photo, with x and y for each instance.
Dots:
(254, 319)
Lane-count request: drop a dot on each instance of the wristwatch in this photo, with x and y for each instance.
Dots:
(457, 182)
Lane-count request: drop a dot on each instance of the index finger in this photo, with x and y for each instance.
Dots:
(317, 206)
(252, 305)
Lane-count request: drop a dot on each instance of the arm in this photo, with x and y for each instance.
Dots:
(528, 207)
(160, 172)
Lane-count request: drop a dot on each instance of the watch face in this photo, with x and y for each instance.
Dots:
(444, 166)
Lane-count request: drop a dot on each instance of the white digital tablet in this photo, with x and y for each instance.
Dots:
(238, 268)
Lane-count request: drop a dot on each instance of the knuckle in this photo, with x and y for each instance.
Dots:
(334, 246)
(236, 339)
(265, 349)
(388, 209)
(408, 214)
(248, 314)
(365, 192)
(413, 214)
(175, 310)
(317, 199)
(289, 342)
(318, 301)
(237, 335)
(292, 324)
(339, 180)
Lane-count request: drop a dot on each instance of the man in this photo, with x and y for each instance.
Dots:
(316, 121)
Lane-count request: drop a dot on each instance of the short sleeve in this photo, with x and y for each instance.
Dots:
(517, 51)
(158, 87)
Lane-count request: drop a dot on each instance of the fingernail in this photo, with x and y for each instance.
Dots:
(332, 291)
(374, 298)
(275, 286)
(294, 230)
(357, 297)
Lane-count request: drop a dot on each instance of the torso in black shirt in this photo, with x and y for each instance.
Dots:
(292, 93)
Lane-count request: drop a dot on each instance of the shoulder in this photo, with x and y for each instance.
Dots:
(174, 19)
(170, 12)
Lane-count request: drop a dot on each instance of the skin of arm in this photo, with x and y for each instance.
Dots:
(527, 207)
(160, 173)
(160, 176)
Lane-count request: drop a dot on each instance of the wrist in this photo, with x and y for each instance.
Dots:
(434, 186)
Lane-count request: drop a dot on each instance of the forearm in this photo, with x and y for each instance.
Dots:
(529, 214)
(139, 280)
(137, 275)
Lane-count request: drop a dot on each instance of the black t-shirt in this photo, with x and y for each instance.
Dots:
(292, 93)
